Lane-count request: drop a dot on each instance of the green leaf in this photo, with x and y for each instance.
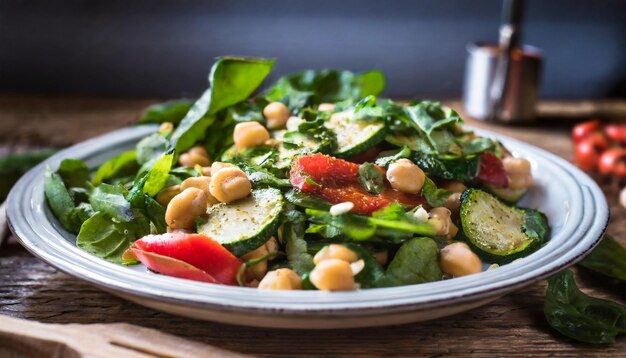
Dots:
(102, 237)
(158, 175)
(388, 157)
(371, 178)
(305, 200)
(428, 116)
(448, 167)
(170, 111)
(122, 165)
(60, 200)
(416, 262)
(373, 275)
(74, 172)
(581, 317)
(310, 88)
(232, 80)
(261, 177)
(294, 223)
(355, 227)
(434, 196)
(151, 147)
(111, 200)
(156, 213)
(608, 258)
(13, 166)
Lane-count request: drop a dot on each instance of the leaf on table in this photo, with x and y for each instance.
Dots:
(13, 166)
(608, 258)
(581, 317)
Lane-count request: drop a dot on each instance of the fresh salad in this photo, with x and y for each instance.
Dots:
(312, 183)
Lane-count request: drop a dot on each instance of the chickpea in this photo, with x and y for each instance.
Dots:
(217, 166)
(457, 259)
(202, 183)
(333, 275)
(335, 251)
(166, 194)
(455, 186)
(326, 107)
(519, 172)
(230, 184)
(259, 269)
(447, 229)
(405, 176)
(272, 245)
(622, 197)
(250, 134)
(381, 257)
(281, 279)
(276, 114)
(185, 207)
(206, 171)
(453, 203)
(195, 156)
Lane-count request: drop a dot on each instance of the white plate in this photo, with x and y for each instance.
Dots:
(574, 204)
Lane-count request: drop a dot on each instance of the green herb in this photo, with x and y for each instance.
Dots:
(608, 258)
(171, 111)
(305, 200)
(448, 167)
(60, 200)
(158, 175)
(155, 212)
(434, 196)
(428, 116)
(371, 178)
(122, 165)
(111, 200)
(299, 259)
(372, 275)
(581, 317)
(74, 172)
(312, 182)
(261, 177)
(151, 148)
(232, 80)
(105, 238)
(416, 262)
(386, 158)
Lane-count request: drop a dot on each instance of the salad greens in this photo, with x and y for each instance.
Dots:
(313, 172)
(608, 258)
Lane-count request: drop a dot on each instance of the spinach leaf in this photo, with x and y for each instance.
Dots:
(428, 116)
(155, 212)
(135, 194)
(120, 166)
(159, 173)
(299, 259)
(60, 200)
(434, 196)
(74, 172)
(371, 178)
(305, 200)
(13, 166)
(110, 200)
(261, 177)
(170, 111)
(232, 80)
(448, 167)
(608, 258)
(581, 317)
(388, 157)
(309, 88)
(103, 237)
(373, 275)
(478, 145)
(416, 262)
(151, 147)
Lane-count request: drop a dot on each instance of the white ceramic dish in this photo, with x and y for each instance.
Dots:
(575, 205)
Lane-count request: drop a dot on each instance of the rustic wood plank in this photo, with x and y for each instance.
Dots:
(513, 325)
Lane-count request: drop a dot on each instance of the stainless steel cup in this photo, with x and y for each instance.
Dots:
(499, 93)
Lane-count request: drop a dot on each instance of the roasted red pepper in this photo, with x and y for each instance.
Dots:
(492, 171)
(191, 256)
(336, 181)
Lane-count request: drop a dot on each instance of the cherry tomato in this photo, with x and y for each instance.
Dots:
(584, 129)
(613, 161)
(588, 151)
(616, 132)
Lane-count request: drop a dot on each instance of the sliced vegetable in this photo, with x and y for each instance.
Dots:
(500, 233)
(246, 224)
(355, 136)
(190, 256)
(581, 317)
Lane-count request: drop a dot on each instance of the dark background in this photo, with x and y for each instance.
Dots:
(165, 48)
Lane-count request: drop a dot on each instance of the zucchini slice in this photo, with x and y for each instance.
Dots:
(354, 137)
(297, 143)
(499, 233)
(511, 196)
(245, 224)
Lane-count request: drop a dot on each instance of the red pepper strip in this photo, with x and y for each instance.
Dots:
(492, 171)
(183, 255)
(337, 181)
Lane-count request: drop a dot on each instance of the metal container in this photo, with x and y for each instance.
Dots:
(502, 93)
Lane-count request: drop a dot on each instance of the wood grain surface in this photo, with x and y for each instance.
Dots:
(514, 325)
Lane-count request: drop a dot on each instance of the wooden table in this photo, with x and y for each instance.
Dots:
(512, 325)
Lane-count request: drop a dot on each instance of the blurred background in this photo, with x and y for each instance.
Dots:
(147, 48)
